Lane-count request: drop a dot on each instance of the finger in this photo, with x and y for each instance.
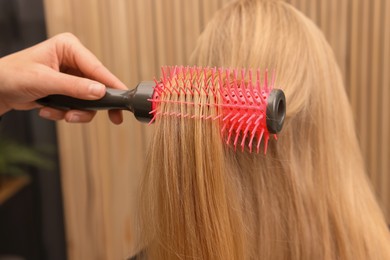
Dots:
(116, 116)
(53, 82)
(78, 116)
(51, 113)
(76, 55)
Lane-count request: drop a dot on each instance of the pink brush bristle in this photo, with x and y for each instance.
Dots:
(227, 95)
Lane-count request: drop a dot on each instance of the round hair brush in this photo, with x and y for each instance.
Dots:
(248, 108)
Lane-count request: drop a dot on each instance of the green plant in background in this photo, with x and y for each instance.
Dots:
(14, 157)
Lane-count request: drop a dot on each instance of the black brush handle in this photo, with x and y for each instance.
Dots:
(113, 99)
(135, 100)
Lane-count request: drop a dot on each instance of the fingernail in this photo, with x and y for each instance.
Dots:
(44, 113)
(74, 118)
(96, 89)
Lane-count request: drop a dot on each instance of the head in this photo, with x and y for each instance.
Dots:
(308, 198)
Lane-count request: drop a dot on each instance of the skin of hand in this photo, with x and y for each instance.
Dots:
(59, 65)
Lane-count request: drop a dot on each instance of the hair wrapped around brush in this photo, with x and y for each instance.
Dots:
(246, 109)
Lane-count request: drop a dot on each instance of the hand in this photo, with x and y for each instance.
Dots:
(60, 65)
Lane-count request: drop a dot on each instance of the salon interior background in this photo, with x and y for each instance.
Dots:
(101, 163)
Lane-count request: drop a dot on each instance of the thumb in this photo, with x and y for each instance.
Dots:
(78, 87)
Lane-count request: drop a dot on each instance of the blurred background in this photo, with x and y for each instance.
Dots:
(83, 206)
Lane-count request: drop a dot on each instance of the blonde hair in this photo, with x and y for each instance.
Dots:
(308, 198)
